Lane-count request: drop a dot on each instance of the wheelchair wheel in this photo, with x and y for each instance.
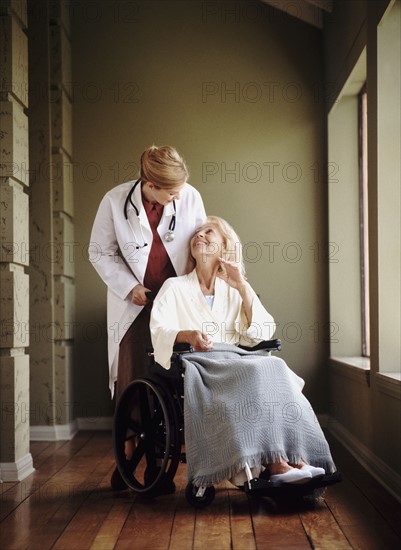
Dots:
(146, 425)
(199, 501)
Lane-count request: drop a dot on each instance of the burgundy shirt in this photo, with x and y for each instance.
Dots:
(159, 266)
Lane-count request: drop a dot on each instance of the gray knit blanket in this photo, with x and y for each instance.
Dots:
(246, 407)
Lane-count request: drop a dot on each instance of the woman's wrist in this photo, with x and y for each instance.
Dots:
(243, 288)
(182, 337)
(195, 338)
(247, 300)
(185, 337)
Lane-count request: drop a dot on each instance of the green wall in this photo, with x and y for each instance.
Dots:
(237, 88)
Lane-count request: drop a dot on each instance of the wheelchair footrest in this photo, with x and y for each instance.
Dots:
(263, 487)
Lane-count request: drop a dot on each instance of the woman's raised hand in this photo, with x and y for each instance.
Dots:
(231, 274)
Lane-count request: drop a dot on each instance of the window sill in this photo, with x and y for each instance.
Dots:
(356, 368)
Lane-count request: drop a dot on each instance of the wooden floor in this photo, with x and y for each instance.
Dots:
(67, 504)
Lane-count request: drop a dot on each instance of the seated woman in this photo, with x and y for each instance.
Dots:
(240, 408)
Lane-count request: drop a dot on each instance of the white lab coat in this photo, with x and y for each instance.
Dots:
(181, 305)
(114, 254)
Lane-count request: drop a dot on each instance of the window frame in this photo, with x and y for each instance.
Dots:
(364, 219)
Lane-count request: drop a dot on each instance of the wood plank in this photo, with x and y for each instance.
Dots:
(322, 528)
(48, 450)
(348, 505)
(277, 528)
(372, 537)
(80, 518)
(381, 500)
(242, 535)
(36, 447)
(182, 532)
(7, 486)
(67, 503)
(17, 493)
(88, 475)
(38, 511)
(359, 519)
(111, 527)
(149, 523)
(212, 524)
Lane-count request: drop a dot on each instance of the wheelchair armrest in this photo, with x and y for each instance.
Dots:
(183, 348)
(177, 349)
(267, 345)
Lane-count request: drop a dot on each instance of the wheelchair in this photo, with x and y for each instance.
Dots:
(149, 417)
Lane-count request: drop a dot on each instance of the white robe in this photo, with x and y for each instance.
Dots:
(181, 305)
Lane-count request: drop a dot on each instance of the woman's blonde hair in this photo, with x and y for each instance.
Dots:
(163, 166)
(232, 250)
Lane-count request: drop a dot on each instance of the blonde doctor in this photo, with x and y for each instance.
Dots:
(140, 237)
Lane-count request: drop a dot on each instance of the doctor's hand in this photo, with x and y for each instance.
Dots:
(138, 296)
(197, 339)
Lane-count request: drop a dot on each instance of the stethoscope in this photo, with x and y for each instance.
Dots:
(168, 237)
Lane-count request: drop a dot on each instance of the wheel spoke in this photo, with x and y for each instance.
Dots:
(133, 425)
(160, 443)
(157, 423)
(137, 455)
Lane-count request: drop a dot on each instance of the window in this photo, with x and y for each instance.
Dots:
(364, 147)
(349, 276)
(363, 218)
(388, 189)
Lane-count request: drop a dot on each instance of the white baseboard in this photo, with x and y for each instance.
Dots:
(17, 471)
(58, 432)
(67, 431)
(385, 475)
(96, 423)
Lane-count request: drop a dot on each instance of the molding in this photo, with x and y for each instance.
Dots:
(17, 471)
(385, 475)
(58, 432)
(96, 423)
(389, 385)
(68, 431)
(351, 368)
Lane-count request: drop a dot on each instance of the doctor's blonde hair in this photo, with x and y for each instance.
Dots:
(232, 250)
(163, 167)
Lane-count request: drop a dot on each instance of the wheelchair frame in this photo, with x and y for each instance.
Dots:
(149, 418)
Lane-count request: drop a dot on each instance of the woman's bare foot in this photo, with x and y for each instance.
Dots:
(282, 472)
(279, 467)
(298, 465)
